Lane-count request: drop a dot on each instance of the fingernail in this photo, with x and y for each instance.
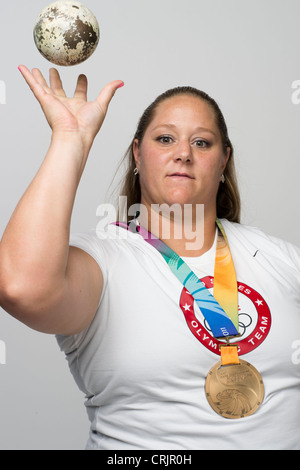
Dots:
(122, 84)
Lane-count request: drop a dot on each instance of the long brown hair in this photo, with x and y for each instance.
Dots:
(228, 198)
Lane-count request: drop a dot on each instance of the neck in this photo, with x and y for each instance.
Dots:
(189, 232)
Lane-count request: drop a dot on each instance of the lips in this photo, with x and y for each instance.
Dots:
(181, 175)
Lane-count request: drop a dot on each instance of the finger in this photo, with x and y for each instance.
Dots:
(81, 87)
(106, 95)
(37, 89)
(40, 79)
(56, 83)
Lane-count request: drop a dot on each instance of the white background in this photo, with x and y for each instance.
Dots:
(244, 53)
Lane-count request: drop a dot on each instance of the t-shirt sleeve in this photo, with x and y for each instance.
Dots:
(294, 253)
(90, 242)
(291, 252)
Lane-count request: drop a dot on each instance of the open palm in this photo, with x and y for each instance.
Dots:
(74, 114)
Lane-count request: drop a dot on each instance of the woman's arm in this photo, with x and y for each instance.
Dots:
(43, 282)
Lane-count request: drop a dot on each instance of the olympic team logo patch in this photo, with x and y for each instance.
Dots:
(254, 319)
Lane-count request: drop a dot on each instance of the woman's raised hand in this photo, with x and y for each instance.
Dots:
(70, 115)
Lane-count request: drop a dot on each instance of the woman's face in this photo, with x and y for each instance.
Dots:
(181, 158)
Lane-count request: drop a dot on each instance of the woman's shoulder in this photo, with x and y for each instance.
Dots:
(254, 239)
(105, 242)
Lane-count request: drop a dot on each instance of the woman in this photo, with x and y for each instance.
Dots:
(139, 347)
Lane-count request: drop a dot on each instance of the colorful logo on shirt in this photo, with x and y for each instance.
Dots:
(254, 319)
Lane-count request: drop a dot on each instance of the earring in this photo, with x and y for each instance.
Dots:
(222, 179)
(135, 171)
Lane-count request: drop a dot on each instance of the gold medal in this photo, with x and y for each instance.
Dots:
(234, 390)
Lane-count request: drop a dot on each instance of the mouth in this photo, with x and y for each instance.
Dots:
(181, 175)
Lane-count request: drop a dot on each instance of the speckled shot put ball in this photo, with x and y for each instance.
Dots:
(66, 33)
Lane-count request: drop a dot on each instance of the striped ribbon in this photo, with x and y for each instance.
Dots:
(220, 309)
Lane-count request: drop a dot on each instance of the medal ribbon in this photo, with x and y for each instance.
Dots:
(223, 322)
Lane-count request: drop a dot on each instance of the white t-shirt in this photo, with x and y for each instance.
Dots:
(143, 370)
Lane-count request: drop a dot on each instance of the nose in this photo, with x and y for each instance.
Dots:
(183, 152)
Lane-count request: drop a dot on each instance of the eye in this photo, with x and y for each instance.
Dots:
(164, 139)
(201, 143)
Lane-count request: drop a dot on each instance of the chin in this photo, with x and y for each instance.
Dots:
(181, 201)
(179, 196)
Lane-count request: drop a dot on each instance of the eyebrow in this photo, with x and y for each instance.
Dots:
(173, 126)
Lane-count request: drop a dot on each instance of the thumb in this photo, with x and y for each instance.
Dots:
(107, 93)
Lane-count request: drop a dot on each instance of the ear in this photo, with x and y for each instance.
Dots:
(136, 153)
(226, 157)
